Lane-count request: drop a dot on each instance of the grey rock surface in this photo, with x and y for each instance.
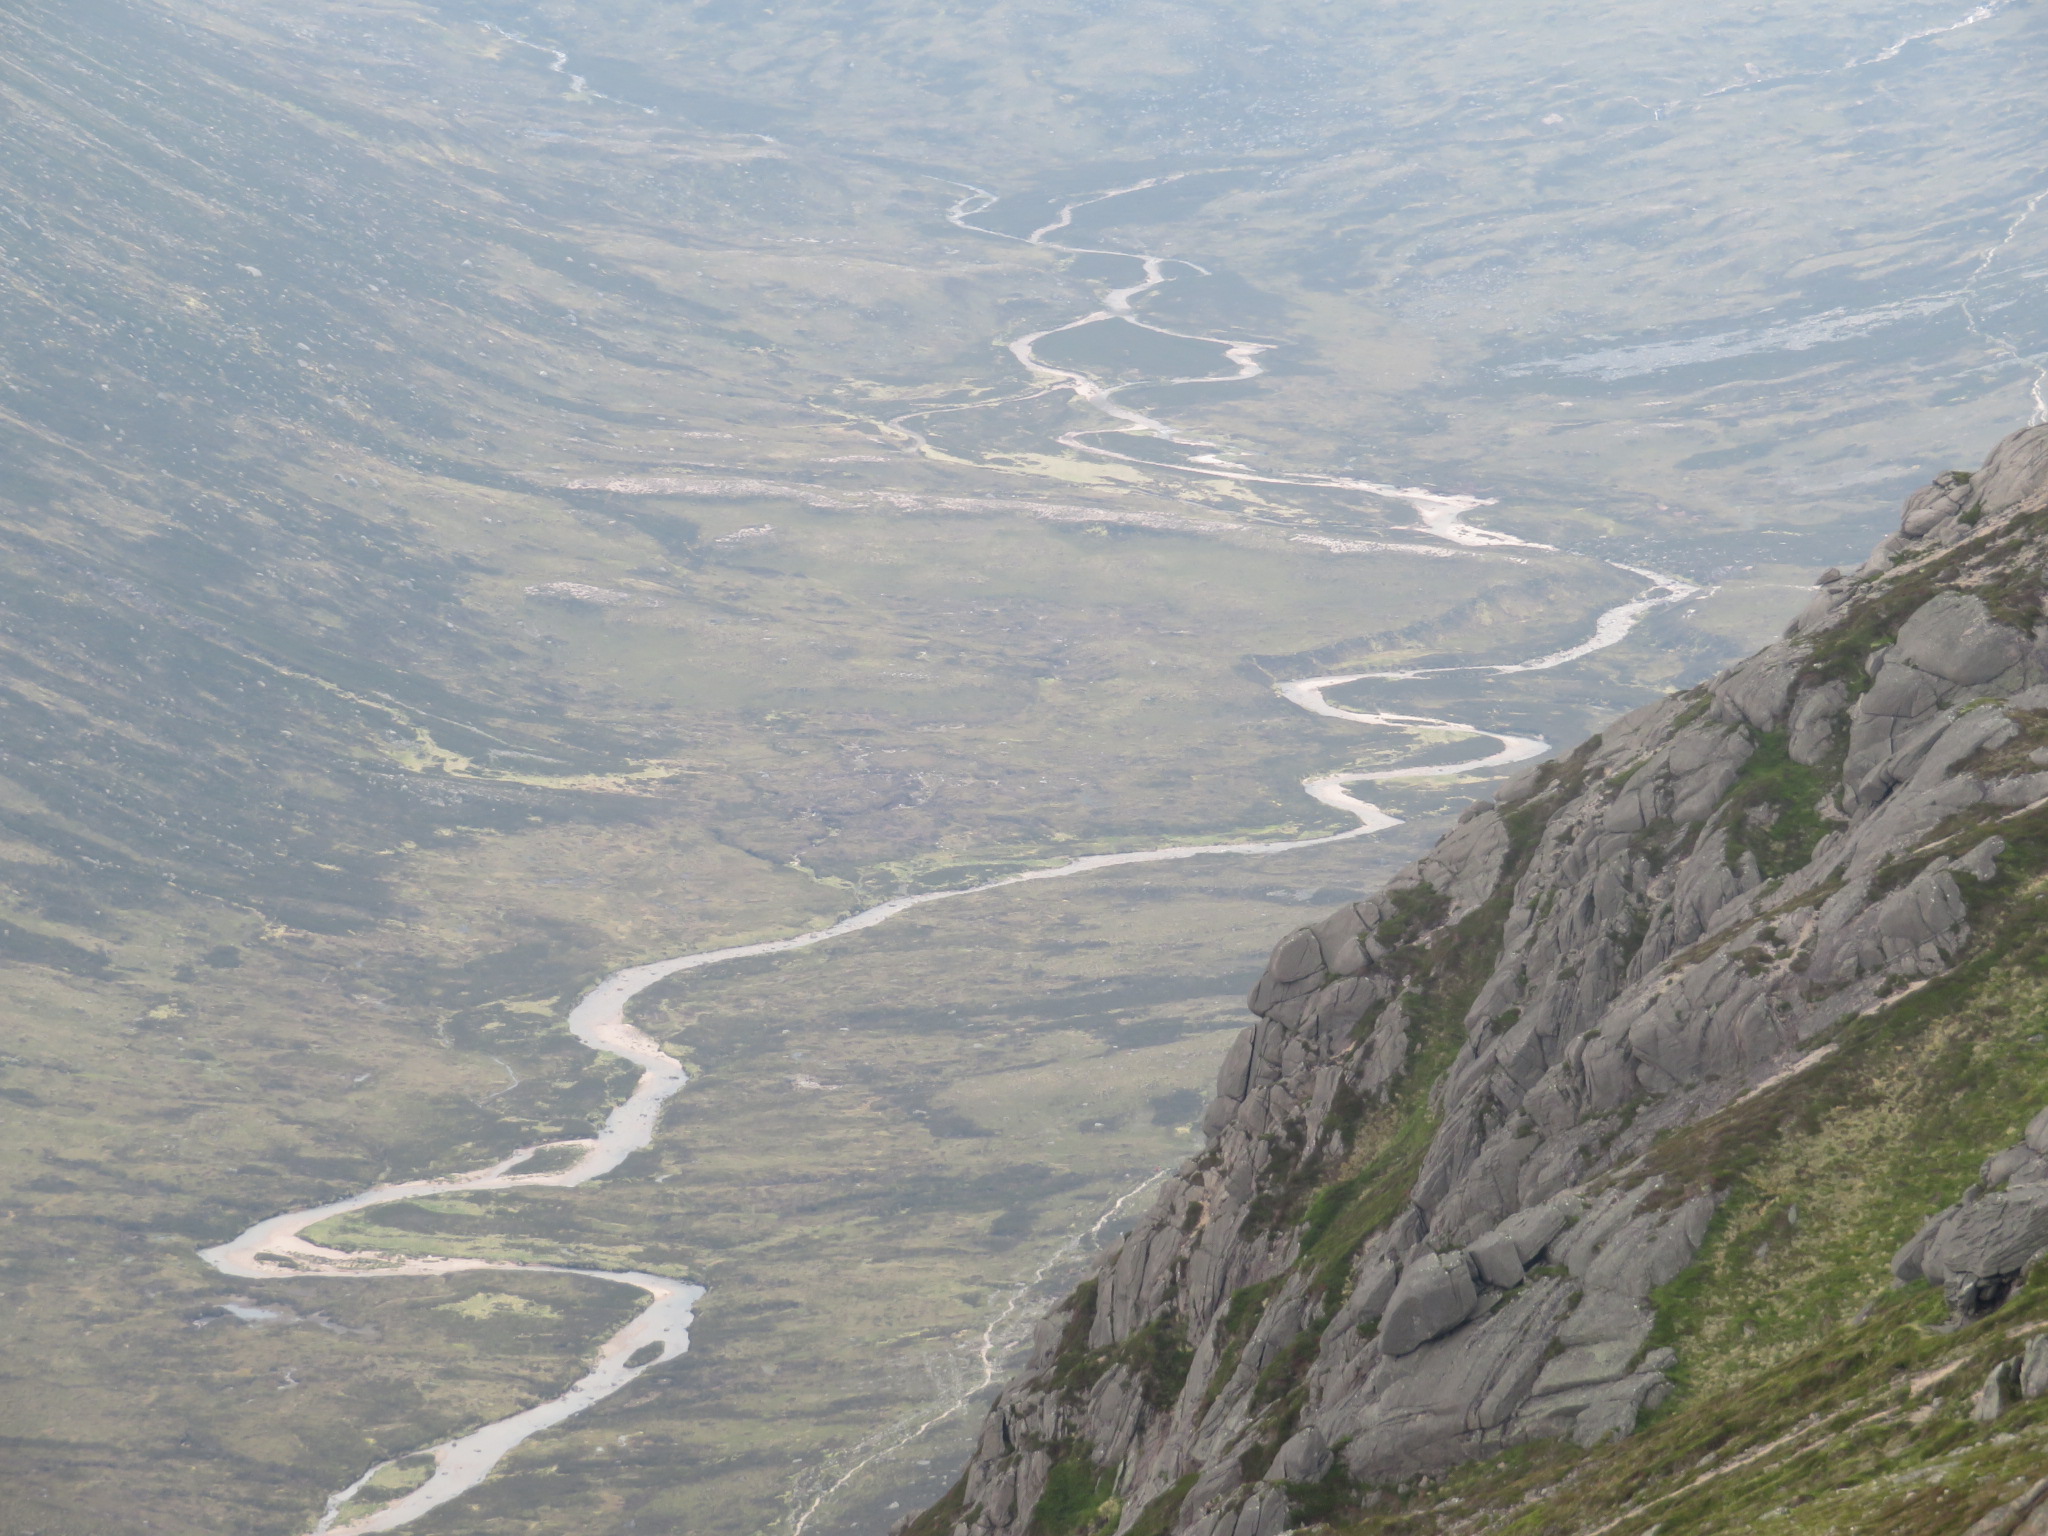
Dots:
(1975, 1250)
(1929, 508)
(1497, 1261)
(1651, 957)
(1436, 1294)
(1978, 1248)
(2034, 1368)
(1998, 1393)
(2013, 472)
(2026, 1515)
(1303, 1459)
(1533, 1230)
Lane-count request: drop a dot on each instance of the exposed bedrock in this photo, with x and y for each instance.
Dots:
(1976, 1249)
(1424, 1226)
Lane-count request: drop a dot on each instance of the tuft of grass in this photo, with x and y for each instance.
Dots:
(1842, 654)
(1075, 1367)
(1285, 1371)
(1417, 910)
(1075, 1499)
(2015, 755)
(1159, 1356)
(1334, 1493)
(1771, 809)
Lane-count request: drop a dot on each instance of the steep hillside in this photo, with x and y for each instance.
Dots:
(1665, 1150)
(343, 739)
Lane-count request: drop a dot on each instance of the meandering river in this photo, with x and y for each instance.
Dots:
(278, 1248)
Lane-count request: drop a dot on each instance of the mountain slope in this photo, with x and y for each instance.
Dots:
(1558, 1187)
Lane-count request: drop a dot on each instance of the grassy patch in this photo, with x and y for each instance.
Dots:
(1286, 1369)
(1826, 1174)
(2014, 592)
(1334, 1493)
(1841, 654)
(1387, 1149)
(1159, 1356)
(1815, 1399)
(939, 1519)
(1075, 1367)
(1417, 909)
(1771, 809)
(1157, 1518)
(2014, 756)
(1077, 1499)
(1833, 1439)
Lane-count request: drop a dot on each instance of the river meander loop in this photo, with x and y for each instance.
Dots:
(278, 1248)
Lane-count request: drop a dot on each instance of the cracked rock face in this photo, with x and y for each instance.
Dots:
(1976, 1249)
(1626, 941)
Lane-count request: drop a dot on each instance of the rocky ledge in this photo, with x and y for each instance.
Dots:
(1430, 1221)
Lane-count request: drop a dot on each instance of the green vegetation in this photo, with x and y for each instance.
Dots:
(1077, 1499)
(2015, 584)
(1284, 1372)
(2016, 755)
(1841, 653)
(939, 1518)
(1829, 1172)
(1159, 1354)
(325, 791)
(1814, 1398)
(1158, 1516)
(1386, 1150)
(1333, 1494)
(1867, 1430)
(1075, 1368)
(1416, 910)
(1772, 811)
(1240, 1317)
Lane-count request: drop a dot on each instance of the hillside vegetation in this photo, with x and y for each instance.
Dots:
(1666, 1151)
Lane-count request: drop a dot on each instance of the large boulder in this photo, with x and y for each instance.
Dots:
(1498, 1263)
(1933, 505)
(2034, 1368)
(1436, 1294)
(1953, 637)
(1975, 1250)
(2015, 469)
(1304, 1458)
(1534, 1229)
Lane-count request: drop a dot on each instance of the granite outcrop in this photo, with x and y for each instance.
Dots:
(1427, 1224)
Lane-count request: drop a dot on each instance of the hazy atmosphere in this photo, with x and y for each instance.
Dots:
(668, 666)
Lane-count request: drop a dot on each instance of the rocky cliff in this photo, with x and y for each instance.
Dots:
(1519, 1148)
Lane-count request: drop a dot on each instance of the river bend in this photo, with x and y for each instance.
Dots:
(278, 1249)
